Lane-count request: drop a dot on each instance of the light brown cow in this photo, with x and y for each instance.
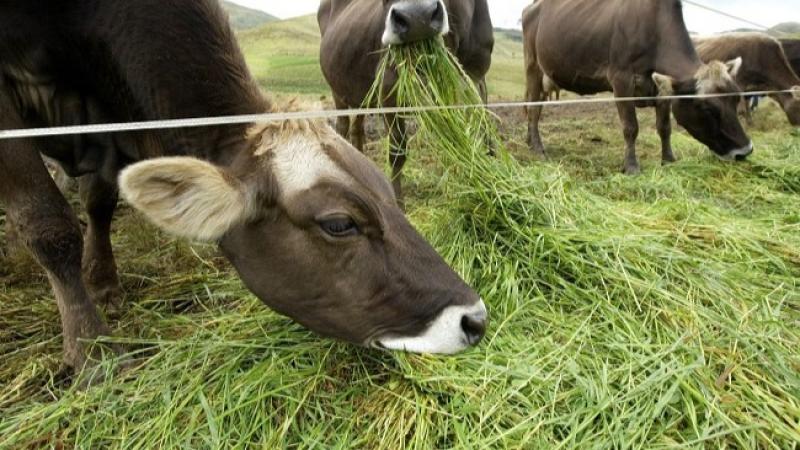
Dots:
(632, 48)
(355, 31)
(309, 223)
(764, 66)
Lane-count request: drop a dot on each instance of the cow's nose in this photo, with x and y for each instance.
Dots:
(416, 21)
(474, 326)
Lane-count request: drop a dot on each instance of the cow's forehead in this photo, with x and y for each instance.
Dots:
(300, 164)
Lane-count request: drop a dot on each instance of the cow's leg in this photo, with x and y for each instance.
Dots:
(49, 229)
(357, 133)
(535, 93)
(13, 244)
(625, 87)
(664, 126)
(342, 123)
(99, 199)
(398, 150)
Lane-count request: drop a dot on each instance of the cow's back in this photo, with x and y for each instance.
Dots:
(764, 67)
(72, 63)
(581, 43)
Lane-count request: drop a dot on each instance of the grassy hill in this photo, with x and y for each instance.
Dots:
(284, 56)
(243, 18)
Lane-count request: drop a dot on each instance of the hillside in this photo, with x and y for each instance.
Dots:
(284, 56)
(243, 18)
(780, 30)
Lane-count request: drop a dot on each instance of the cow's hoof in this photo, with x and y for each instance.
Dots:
(95, 363)
(669, 159)
(632, 170)
(104, 288)
(108, 298)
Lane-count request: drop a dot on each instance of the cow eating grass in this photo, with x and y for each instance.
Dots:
(633, 49)
(765, 66)
(354, 33)
(309, 223)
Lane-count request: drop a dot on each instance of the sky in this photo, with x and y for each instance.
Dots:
(506, 13)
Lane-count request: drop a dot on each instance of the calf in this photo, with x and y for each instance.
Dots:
(633, 48)
(309, 223)
(764, 66)
(355, 31)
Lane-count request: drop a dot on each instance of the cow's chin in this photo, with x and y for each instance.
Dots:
(446, 335)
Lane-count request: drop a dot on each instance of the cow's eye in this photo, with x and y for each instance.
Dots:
(339, 227)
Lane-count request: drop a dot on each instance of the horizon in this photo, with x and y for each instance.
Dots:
(506, 13)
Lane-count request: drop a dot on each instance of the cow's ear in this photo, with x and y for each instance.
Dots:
(185, 196)
(664, 84)
(796, 92)
(734, 66)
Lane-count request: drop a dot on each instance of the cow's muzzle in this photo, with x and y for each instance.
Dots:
(411, 21)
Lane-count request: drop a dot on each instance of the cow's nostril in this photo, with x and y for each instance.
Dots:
(400, 22)
(474, 326)
(438, 14)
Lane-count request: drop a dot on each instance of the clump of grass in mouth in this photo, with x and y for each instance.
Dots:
(626, 313)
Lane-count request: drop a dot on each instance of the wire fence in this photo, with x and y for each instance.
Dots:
(331, 114)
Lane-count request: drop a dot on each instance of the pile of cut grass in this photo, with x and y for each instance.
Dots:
(652, 312)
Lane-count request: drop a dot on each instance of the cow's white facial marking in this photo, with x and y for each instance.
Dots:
(299, 163)
(445, 335)
(739, 153)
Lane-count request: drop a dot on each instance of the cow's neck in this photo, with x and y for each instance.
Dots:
(675, 52)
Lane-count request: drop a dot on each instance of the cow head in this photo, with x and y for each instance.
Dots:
(313, 229)
(713, 121)
(409, 21)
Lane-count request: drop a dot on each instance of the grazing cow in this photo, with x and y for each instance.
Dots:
(354, 32)
(309, 223)
(791, 48)
(764, 66)
(633, 48)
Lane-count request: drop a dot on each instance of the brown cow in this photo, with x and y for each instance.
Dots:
(354, 32)
(632, 48)
(308, 222)
(791, 48)
(764, 66)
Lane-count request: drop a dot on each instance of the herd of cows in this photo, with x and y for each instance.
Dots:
(310, 224)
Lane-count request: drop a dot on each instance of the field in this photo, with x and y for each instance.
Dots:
(659, 311)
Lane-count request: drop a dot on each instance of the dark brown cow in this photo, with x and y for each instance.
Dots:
(634, 48)
(791, 48)
(354, 32)
(764, 66)
(308, 222)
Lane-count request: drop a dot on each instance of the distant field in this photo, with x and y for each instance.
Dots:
(285, 59)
